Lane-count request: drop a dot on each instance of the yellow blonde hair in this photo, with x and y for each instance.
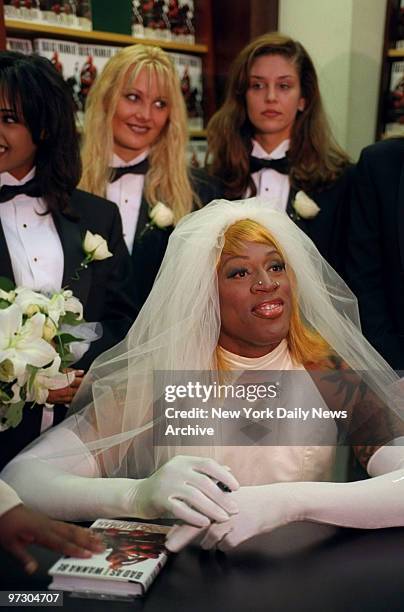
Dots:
(167, 179)
(305, 345)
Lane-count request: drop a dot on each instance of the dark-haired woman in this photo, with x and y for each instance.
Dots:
(271, 138)
(44, 220)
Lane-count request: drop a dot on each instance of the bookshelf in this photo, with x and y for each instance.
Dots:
(203, 48)
(33, 30)
(388, 120)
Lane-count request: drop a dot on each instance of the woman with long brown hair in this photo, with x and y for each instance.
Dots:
(271, 138)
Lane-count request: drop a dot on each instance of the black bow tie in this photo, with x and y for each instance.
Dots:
(30, 188)
(280, 165)
(140, 168)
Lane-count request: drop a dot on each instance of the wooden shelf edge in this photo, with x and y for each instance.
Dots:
(396, 52)
(32, 29)
(197, 133)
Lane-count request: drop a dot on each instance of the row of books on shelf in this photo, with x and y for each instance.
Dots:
(394, 117)
(71, 14)
(164, 19)
(79, 64)
(399, 30)
(160, 19)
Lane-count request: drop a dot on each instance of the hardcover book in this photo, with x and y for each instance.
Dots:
(155, 20)
(395, 113)
(189, 68)
(196, 153)
(180, 15)
(23, 45)
(137, 19)
(25, 11)
(134, 555)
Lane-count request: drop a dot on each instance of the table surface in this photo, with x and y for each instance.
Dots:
(303, 566)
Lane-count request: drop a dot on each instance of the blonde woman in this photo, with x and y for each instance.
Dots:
(134, 147)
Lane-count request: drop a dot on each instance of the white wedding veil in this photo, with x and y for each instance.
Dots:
(178, 330)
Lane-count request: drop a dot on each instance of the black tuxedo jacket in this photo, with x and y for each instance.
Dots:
(328, 229)
(376, 247)
(150, 244)
(102, 288)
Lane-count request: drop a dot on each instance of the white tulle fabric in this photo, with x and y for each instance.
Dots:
(178, 329)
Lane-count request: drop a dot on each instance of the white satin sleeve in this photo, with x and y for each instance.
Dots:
(8, 498)
(368, 504)
(57, 475)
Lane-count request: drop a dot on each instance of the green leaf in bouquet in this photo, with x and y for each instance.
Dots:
(32, 374)
(13, 415)
(4, 304)
(66, 360)
(6, 284)
(66, 338)
(70, 319)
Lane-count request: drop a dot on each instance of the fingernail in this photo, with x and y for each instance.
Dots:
(222, 515)
(31, 567)
(88, 553)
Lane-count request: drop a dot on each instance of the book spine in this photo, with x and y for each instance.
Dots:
(160, 564)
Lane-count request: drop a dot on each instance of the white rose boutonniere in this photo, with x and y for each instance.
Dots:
(161, 216)
(95, 247)
(304, 206)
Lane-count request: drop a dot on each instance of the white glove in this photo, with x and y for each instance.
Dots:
(261, 508)
(67, 487)
(368, 504)
(186, 488)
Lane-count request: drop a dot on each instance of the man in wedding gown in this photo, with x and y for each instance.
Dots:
(240, 288)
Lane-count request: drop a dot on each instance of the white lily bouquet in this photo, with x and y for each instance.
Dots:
(37, 331)
(35, 339)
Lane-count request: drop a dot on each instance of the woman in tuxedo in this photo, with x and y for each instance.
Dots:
(135, 137)
(44, 219)
(271, 138)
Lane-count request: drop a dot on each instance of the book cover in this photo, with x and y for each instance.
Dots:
(91, 61)
(196, 153)
(395, 113)
(181, 18)
(189, 68)
(155, 19)
(64, 55)
(62, 14)
(23, 45)
(134, 555)
(27, 10)
(84, 16)
(137, 19)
